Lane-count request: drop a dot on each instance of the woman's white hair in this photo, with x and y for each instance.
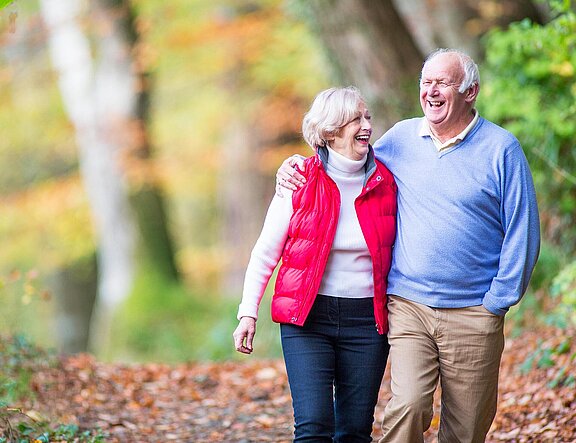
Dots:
(469, 67)
(331, 110)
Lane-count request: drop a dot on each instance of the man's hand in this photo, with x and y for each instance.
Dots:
(288, 176)
(244, 335)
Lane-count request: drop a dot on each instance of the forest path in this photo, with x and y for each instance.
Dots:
(249, 401)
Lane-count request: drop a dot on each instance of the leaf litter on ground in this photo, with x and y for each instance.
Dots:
(246, 400)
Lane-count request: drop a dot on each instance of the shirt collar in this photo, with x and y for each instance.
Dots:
(425, 131)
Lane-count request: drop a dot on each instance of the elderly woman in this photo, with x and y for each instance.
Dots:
(334, 236)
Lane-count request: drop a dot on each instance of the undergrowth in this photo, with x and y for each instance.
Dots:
(19, 360)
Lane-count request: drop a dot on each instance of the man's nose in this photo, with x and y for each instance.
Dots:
(433, 89)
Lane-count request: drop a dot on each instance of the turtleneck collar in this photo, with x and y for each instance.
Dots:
(344, 164)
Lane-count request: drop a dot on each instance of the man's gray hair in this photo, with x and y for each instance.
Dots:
(470, 68)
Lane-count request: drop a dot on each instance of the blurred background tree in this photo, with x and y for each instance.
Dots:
(105, 92)
(140, 141)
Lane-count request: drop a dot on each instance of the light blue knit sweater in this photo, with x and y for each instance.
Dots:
(468, 226)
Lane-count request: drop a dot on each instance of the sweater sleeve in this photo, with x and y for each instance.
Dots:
(521, 226)
(266, 254)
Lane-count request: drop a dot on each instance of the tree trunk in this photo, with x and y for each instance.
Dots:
(74, 289)
(117, 43)
(105, 95)
(460, 23)
(94, 102)
(439, 24)
(372, 49)
(380, 46)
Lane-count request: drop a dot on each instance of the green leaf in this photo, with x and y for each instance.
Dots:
(25, 428)
(530, 67)
(4, 3)
(43, 438)
(570, 381)
(563, 347)
(558, 379)
(546, 361)
(528, 363)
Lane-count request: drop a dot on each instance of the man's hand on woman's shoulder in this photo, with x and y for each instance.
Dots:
(288, 176)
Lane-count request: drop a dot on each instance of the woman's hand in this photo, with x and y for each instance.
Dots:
(288, 176)
(244, 335)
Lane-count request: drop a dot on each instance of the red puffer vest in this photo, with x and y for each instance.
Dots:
(311, 233)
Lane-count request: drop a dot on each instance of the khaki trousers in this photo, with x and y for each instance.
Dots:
(461, 348)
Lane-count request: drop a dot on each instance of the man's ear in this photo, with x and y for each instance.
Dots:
(471, 94)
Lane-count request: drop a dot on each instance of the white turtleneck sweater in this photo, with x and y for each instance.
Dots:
(348, 272)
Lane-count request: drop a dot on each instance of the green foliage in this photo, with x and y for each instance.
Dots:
(164, 321)
(44, 207)
(67, 433)
(545, 357)
(290, 61)
(211, 62)
(18, 360)
(529, 86)
(550, 261)
(20, 427)
(564, 288)
(25, 306)
(534, 310)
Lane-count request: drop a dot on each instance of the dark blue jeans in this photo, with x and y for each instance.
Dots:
(335, 364)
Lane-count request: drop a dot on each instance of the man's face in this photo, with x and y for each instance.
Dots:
(444, 107)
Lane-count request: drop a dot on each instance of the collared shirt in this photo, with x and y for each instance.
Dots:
(425, 130)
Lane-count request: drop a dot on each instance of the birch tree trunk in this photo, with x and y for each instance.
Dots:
(105, 95)
(95, 100)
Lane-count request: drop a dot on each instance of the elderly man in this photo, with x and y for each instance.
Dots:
(467, 242)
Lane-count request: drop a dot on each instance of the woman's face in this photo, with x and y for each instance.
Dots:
(352, 139)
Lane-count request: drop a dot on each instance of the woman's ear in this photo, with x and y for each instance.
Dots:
(328, 138)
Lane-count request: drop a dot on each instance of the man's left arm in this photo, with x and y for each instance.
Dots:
(521, 243)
